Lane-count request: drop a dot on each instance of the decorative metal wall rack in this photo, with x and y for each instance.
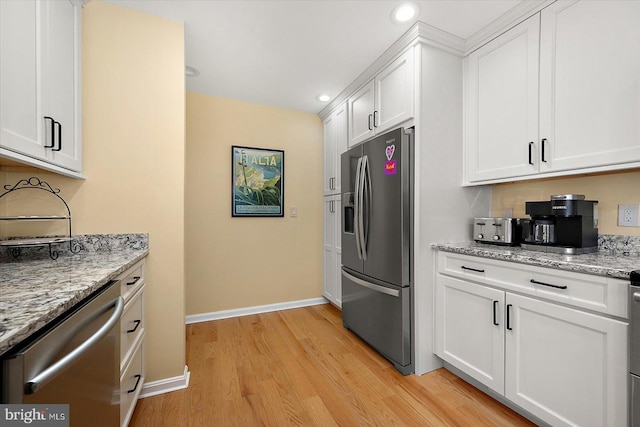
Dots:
(15, 245)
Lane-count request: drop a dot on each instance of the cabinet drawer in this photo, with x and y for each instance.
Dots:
(130, 385)
(131, 326)
(131, 280)
(597, 293)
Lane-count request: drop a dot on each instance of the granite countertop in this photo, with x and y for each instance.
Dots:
(35, 289)
(606, 262)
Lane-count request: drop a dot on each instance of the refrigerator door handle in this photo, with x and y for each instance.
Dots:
(373, 287)
(366, 208)
(360, 184)
(357, 208)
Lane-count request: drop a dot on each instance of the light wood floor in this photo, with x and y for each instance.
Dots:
(301, 367)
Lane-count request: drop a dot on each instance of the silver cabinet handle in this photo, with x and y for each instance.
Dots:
(54, 370)
(636, 296)
(373, 287)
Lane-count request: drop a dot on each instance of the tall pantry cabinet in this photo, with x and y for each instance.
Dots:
(335, 143)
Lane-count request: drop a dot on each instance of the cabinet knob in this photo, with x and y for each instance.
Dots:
(496, 237)
(480, 236)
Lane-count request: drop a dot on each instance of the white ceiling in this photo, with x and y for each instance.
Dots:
(284, 53)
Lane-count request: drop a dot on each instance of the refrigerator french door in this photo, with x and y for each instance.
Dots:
(377, 244)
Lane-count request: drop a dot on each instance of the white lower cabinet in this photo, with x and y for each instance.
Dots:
(469, 335)
(132, 329)
(566, 366)
(563, 365)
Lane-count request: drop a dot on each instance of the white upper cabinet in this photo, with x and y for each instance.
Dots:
(335, 143)
(40, 84)
(555, 95)
(590, 84)
(394, 90)
(361, 110)
(384, 102)
(502, 102)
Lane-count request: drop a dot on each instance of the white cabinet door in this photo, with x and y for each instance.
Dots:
(21, 115)
(329, 134)
(501, 118)
(331, 288)
(61, 82)
(590, 84)
(341, 136)
(565, 366)
(335, 143)
(40, 82)
(394, 93)
(469, 331)
(361, 107)
(337, 208)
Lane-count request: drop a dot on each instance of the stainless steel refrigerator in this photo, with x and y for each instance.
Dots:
(377, 244)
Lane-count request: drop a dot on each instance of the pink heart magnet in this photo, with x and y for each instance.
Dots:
(390, 150)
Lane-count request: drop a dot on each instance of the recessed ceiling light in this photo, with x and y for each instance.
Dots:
(191, 71)
(323, 98)
(404, 12)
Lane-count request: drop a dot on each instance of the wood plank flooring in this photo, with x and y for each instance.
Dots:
(301, 367)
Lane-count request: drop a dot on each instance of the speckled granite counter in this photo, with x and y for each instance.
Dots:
(605, 262)
(34, 289)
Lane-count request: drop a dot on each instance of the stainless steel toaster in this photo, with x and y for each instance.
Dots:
(499, 231)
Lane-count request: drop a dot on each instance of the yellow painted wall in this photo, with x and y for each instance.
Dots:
(244, 262)
(134, 151)
(608, 189)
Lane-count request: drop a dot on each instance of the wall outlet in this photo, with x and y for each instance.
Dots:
(628, 215)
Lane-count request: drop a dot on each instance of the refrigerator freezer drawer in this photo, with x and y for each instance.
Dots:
(381, 316)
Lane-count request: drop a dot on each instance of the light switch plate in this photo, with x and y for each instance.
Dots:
(293, 212)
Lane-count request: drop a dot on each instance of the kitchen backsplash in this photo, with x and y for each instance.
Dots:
(620, 245)
(609, 190)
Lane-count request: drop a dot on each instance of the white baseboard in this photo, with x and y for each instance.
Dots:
(225, 314)
(166, 385)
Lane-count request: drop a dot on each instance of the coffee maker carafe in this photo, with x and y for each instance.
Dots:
(566, 224)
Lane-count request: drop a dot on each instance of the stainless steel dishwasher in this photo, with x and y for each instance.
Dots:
(634, 349)
(74, 361)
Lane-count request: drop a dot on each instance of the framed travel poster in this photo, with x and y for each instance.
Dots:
(258, 182)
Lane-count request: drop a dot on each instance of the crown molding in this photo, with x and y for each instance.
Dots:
(509, 19)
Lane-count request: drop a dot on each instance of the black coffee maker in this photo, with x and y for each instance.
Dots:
(566, 224)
